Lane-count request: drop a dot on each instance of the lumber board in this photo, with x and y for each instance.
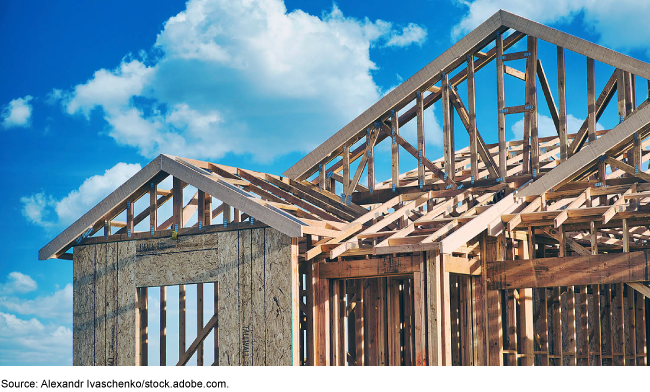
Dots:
(367, 268)
(571, 270)
(400, 96)
(639, 120)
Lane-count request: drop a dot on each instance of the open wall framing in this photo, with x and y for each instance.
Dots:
(521, 252)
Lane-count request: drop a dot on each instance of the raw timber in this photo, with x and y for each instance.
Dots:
(520, 252)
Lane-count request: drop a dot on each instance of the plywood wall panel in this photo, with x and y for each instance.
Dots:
(126, 304)
(253, 268)
(111, 304)
(83, 335)
(278, 299)
(258, 294)
(100, 305)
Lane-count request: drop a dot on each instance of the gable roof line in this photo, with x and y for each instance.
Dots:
(88, 219)
(188, 173)
(451, 58)
(400, 96)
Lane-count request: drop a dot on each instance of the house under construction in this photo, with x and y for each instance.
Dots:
(527, 252)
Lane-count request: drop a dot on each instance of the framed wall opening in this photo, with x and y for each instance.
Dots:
(178, 325)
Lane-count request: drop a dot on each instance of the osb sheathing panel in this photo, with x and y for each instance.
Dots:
(111, 304)
(258, 294)
(245, 300)
(229, 299)
(253, 268)
(100, 305)
(83, 306)
(278, 298)
(126, 303)
(159, 260)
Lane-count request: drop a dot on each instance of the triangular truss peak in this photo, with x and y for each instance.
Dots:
(246, 198)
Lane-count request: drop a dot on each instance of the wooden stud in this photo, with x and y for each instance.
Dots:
(561, 87)
(181, 320)
(199, 322)
(153, 207)
(530, 118)
(501, 114)
(591, 100)
(594, 329)
(420, 134)
(177, 191)
(163, 326)
(394, 121)
(370, 151)
(569, 356)
(144, 327)
(471, 108)
(216, 328)
(446, 126)
(359, 322)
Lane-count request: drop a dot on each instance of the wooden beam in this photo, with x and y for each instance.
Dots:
(419, 101)
(394, 125)
(631, 170)
(591, 100)
(202, 334)
(177, 190)
(601, 103)
(613, 209)
(447, 131)
(501, 114)
(483, 151)
(471, 106)
(641, 288)
(367, 268)
(575, 165)
(572, 270)
(561, 87)
(163, 325)
(550, 102)
(515, 72)
(530, 118)
(181, 320)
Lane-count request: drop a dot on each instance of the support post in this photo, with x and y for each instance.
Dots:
(502, 115)
(561, 88)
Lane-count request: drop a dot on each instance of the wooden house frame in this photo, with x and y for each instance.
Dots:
(527, 252)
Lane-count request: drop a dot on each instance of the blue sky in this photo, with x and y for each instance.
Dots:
(92, 91)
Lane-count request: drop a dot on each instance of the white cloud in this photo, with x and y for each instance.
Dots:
(110, 89)
(17, 113)
(18, 283)
(411, 34)
(242, 77)
(610, 19)
(35, 208)
(57, 305)
(546, 127)
(29, 342)
(40, 208)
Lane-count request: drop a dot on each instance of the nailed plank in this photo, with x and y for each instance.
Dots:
(97, 213)
(621, 134)
(370, 267)
(400, 96)
(579, 270)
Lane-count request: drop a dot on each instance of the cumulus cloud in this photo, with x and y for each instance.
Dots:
(609, 19)
(30, 342)
(17, 283)
(44, 210)
(57, 305)
(411, 34)
(17, 113)
(546, 127)
(109, 89)
(242, 77)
